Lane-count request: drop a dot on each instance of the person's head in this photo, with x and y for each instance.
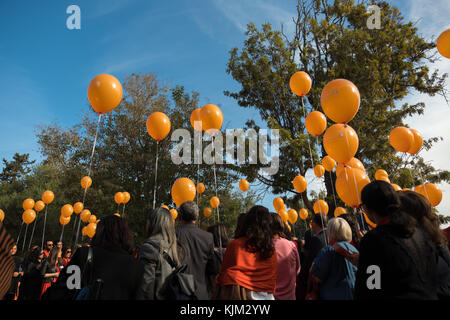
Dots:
(319, 222)
(277, 225)
(220, 235)
(13, 250)
(417, 206)
(188, 212)
(59, 245)
(239, 231)
(49, 245)
(160, 224)
(67, 253)
(53, 256)
(339, 230)
(380, 200)
(113, 230)
(258, 230)
(354, 226)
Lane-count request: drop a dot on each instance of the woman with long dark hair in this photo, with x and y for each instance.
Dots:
(113, 270)
(50, 269)
(249, 267)
(397, 260)
(161, 238)
(419, 207)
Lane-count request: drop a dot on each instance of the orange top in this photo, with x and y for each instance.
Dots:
(247, 269)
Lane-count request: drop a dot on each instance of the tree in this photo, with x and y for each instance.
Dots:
(331, 41)
(17, 168)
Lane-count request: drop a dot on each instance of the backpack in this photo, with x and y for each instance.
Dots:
(93, 289)
(178, 285)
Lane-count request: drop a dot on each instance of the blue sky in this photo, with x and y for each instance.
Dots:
(45, 68)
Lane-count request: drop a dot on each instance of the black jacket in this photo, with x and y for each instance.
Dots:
(407, 265)
(198, 255)
(120, 272)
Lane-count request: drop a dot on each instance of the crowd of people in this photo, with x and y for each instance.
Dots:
(406, 256)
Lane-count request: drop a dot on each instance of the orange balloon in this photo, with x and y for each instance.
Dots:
(349, 185)
(316, 123)
(119, 197)
(195, 117)
(85, 214)
(126, 197)
(174, 213)
(328, 163)
(28, 204)
(48, 197)
(83, 231)
(339, 211)
(300, 83)
(28, 216)
(443, 43)
(207, 212)
(430, 191)
(320, 206)
(90, 229)
(368, 221)
(86, 182)
(2, 215)
(401, 139)
(212, 118)
(283, 214)
(319, 170)
(340, 142)
(381, 174)
(64, 220)
(352, 163)
(278, 204)
(340, 101)
(104, 93)
(116, 214)
(165, 207)
(292, 216)
(299, 183)
(66, 210)
(200, 188)
(303, 214)
(396, 187)
(214, 202)
(158, 125)
(92, 218)
(78, 207)
(417, 142)
(243, 185)
(39, 206)
(183, 190)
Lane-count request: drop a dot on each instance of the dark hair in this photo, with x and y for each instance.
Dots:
(277, 226)
(188, 211)
(320, 219)
(380, 197)
(219, 232)
(354, 226)
(258, 231)
(113, 230)
(417, 206)
(161, 223)
(53, 256)
(239, 231)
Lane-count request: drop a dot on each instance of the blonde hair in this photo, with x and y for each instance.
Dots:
(339, 230)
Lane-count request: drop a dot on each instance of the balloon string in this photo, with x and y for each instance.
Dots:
(20, 232)
(25, 238)
(412, 178)
(156, 174)
(197, 194)
(312, 162)
(332, 188)
(43, 230)
(89, 172)
(123, 211)
(62, 232)
(32, 233)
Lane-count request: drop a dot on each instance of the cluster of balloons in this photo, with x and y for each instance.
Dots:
(406, 140)
(122, 197)
(87, 217)
(208, 118)
(30, 207)
(290, 215)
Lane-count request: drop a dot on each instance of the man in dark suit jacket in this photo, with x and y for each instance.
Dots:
(198, 248)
